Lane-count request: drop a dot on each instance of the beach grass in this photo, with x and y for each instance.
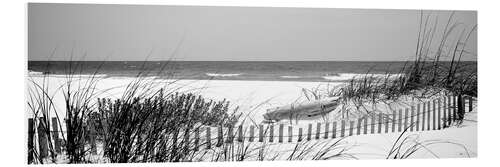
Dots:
(429, 74)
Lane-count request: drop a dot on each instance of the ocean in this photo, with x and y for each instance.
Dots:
(317, 71)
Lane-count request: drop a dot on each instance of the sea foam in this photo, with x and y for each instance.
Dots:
(222, 75)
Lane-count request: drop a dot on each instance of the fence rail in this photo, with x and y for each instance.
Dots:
(435, 114)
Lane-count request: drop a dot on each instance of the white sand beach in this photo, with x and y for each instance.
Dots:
(254, 97)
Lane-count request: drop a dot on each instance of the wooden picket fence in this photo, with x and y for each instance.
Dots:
(435, 114)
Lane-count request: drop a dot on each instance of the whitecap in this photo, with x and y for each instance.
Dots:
(221, 75)
(290, 77)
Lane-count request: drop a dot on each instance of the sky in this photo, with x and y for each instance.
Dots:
(88, 32)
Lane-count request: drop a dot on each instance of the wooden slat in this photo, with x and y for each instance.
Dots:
(250, 138)
(271, 133)
(372, 125)
(358, 131)
(220, 137)
(386, 125)
(208, 138)
(423, 116)
(240, 133)
(412, 118)
(309, 132)
(55, 135)
(463, 107)
(445, 119)
(327, 126)
(197, 139)
(439, 113)
(417, 118)
(434, 115)
(400, 120)
(429, 112)
(31, 134)
(261, 133)
(394, 119)
(290, 133)
(299, 139)
(471, 103)
(230, 135)
(365, 123)
(450, 115)
(334, 129)
(43, 148)
(405, 125)
(342, 128)
(280, 135)
(92, 137)
(454, 109)
(380, 119)
(318, 130)
(351, 128)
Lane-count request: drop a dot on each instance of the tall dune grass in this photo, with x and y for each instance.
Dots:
(437, 67)
(134, 130)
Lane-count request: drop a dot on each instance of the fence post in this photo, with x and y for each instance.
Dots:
(334, 129)
(240, 133)
(439, 114)
(55, 135)
(261, 133)
(358, 131)
(342, 128)
(406, 118)
(290, 134)
(417, 121)
(42, 138)
(394, 121)
(250, 138)
(309, 131)
(351, 127)
(470, 103)
(300, 135)
(379, 123)
(209, 139)
(31, 134)
(327, 126)
(271, 133)
(280, 136)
